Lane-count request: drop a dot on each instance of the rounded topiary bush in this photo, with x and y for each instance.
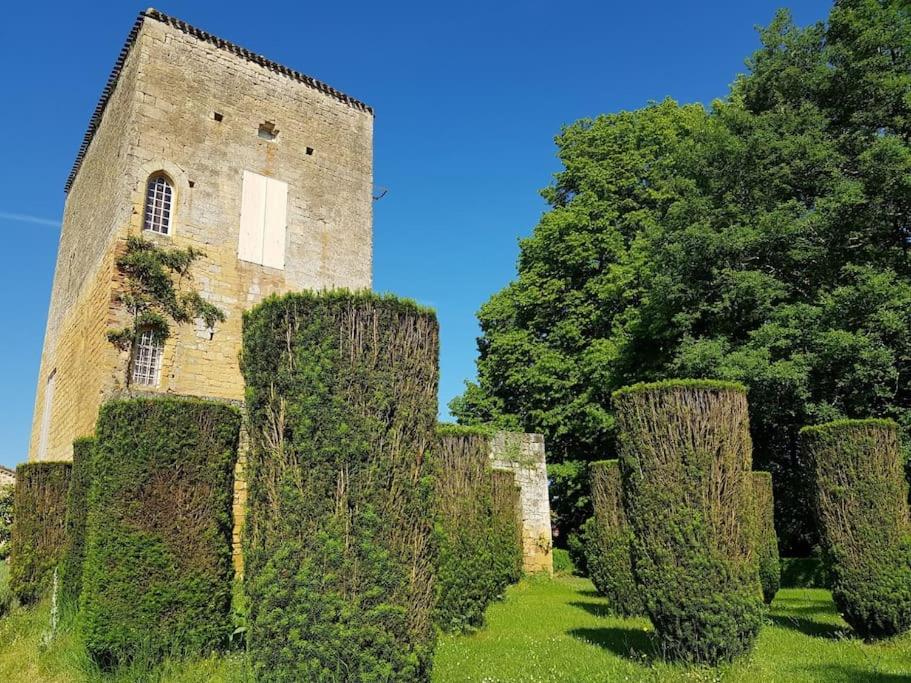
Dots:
(157, 573)
(76, 510)
(339, 548)
(608, 542)
(766, 540)
(39, 527)
(685, 460)
(862, 511)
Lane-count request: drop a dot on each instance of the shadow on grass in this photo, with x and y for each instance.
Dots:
(821, 608)
(598, 609)
(834, 673)
(809, 627)
(590, 594)
(629, 643)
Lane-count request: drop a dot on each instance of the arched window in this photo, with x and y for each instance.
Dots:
(159, 195)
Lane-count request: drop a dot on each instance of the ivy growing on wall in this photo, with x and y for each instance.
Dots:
(156, 293)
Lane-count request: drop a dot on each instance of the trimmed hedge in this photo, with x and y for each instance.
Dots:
(339, 548)
(467, 577)
(608, 542)
(506, 530)
(39, 527)
(685, 460)
(76, 509)
(861, 503)
(766, 540)
(157, 573)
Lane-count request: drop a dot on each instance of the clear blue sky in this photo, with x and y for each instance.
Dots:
(468, 98)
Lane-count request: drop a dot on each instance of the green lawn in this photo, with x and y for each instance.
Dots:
(544, 631)
(559, 631)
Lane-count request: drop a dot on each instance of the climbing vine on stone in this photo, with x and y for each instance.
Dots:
(156, 294)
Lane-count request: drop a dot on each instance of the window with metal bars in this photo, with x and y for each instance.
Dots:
(159, 195)
(147, 360)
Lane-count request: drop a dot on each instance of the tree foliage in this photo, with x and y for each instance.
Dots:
(764, 239)
(156, 291)
(568, 488)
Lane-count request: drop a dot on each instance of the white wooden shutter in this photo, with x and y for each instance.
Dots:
(275, 223)
(263, 220)
(252, 213)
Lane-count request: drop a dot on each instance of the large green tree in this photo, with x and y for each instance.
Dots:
(765, 239)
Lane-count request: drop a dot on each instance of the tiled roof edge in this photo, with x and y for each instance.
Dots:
(204, 36)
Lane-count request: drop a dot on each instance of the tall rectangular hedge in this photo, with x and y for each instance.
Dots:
(157, 572)
(766, 538)
(477, 518)
(76, 510)
(608, 541)
(861, 502)
(39, 527)
(686, 457)
(506, 527)
(339, 547)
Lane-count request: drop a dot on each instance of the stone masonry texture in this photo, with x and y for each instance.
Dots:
(524, 456)
(160, 116)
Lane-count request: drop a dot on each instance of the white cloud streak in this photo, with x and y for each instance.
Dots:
(26, 218)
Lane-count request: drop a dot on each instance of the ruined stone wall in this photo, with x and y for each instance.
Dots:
(161, 117)
(524, 456)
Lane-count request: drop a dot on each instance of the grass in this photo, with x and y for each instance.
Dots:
(25, 657)
(560, 631)
(544, 631)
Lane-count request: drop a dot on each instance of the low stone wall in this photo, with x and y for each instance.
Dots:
(524, 456)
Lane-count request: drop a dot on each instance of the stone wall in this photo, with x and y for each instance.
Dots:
(524, 455)
(161, 116)
(75, 349)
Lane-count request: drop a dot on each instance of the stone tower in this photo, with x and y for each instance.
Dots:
(198, 142)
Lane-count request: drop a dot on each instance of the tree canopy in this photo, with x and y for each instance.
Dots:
(764, 239)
